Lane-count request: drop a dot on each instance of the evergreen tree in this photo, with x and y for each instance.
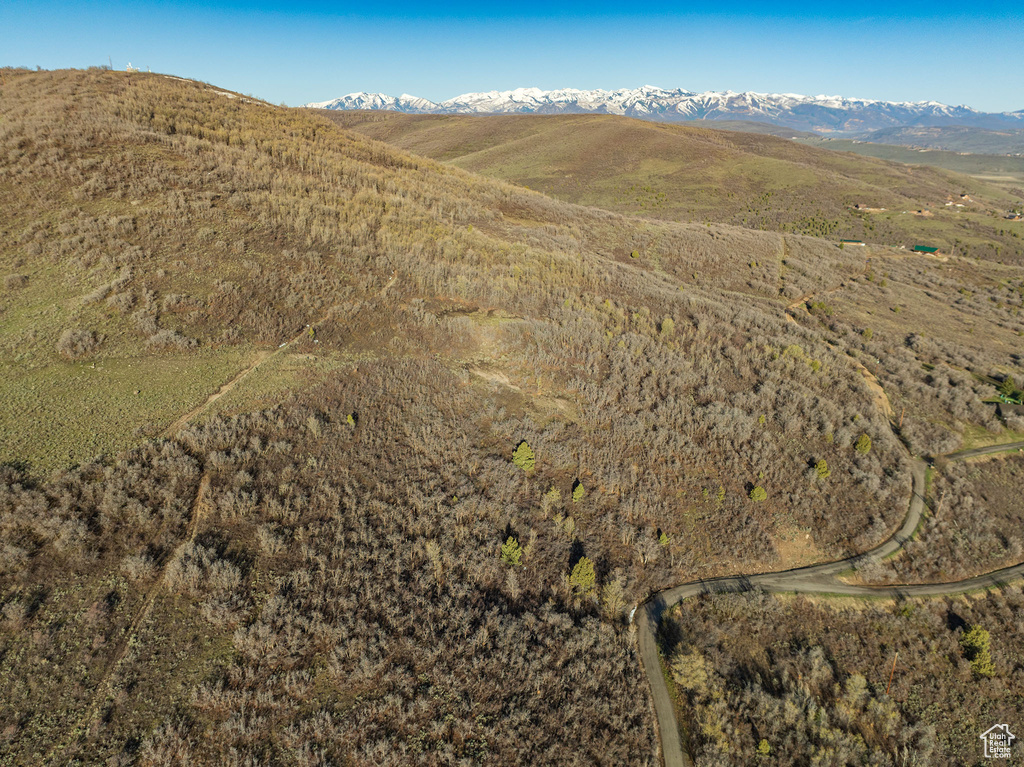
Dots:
(863, 445)
(976, 644)
(758, 494)
(523, 457)
(512, 552)
(583, 578)
(822, 469)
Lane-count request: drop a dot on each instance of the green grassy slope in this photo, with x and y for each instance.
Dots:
(686, 173)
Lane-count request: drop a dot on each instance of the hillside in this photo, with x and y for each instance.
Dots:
(318, 451)
(751, 667)
(686, 173)
(999, 170)
(954, 138)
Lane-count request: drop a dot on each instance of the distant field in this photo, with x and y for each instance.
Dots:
(996, 168)
(952, 138)
(749, 126)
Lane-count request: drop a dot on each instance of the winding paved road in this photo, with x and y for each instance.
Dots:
(815, 579)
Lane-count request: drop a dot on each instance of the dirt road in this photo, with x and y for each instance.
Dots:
(815, 579)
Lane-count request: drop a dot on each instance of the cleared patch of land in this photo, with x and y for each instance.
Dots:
(62, 413)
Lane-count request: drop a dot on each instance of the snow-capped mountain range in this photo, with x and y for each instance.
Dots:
(827, 114)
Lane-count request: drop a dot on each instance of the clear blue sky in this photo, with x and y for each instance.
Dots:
(956, 53)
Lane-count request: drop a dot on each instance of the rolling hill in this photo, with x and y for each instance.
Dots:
(684, 173)
(956, 138)
(318, 451)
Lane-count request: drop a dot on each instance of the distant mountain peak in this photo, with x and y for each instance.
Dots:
(825, 114)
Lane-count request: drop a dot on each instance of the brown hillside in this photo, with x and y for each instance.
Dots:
(264, 494)
(689, 173)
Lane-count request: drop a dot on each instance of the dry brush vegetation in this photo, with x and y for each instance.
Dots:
(339, 593)
(696, 173)
(799, 681)
(974, 525)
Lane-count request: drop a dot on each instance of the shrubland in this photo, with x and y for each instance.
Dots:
(795, 680)
(327, 577)
(974, 525)
(695, 173)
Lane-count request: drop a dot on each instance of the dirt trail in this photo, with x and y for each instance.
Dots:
(880, 397)
(261, 357)
(104, 688)
(59, 752)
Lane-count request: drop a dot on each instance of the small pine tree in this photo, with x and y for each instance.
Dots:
(1008, 388)
(758, 494)
(668, 327)
(351, 418)
(822, 469)
(512, 552)
(635, 254)
(764, 748)
(863, 445)
(577, 492)
(663, 539)
(523, 457)
(583, 578)
(976, 644)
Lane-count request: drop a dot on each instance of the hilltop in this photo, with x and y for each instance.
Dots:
(686, 173)
(322, 451)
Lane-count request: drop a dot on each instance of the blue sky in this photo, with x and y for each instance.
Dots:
(298, 52)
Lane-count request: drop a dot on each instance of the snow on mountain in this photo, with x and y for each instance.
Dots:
(404, 103)
(817, 113)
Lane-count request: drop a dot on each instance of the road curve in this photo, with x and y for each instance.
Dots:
(814, 579)
(975, 452)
